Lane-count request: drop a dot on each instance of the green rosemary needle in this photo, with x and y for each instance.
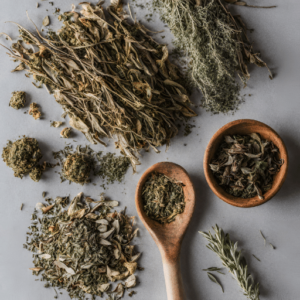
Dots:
(233, 260)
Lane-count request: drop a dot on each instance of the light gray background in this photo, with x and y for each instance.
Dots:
(274, 102)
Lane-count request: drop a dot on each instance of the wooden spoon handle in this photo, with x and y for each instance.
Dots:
(173, 280)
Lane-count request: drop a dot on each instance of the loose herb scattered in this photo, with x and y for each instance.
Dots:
(56, 124)
(111, 167)
(34, 111)
(265, 241)
(65, 133)
(77, 165)
(216, 45)
(83, 249)
(17, 100)
(245, 166)
(214, 269)
(214, 279)
(163, 198)
(110, 77)
(256, 257)
(21, 206)
(233, 260)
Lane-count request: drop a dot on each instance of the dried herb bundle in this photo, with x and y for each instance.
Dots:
(216, 45)
(83, 249)
(233, 260)
(245, 166)
(23, 157)
(17, 100)
(110, 76)
(163, 198)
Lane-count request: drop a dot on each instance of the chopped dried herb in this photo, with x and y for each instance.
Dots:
(112, 168)
(65, 133)
(245, 165)
(163, 198)
(83, 249)
(34, 111)
(17, 100)
(111, 78)
(56, 124)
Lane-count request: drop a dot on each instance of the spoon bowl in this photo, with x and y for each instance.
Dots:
(168, 237)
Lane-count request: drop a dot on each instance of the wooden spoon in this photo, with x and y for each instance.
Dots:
(168, 237)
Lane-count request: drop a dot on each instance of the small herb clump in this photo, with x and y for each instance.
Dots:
(163, 198)
(216, 47)
(17, 100)
(83, 249)
(112, 168)
(77, 168)
(23, 156)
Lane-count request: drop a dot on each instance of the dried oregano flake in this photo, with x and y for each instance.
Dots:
(83, 249)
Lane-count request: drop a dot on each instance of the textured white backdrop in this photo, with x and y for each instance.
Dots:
(274, 102)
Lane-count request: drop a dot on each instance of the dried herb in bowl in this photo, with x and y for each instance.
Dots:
(163, 198)
(110, 76)
(245, 165)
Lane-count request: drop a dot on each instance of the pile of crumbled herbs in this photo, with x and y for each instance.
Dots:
(83, 249)
(110, 76)
(78, 165)
(23, 157)
(163, 198)
(216, 46)
(17, 100)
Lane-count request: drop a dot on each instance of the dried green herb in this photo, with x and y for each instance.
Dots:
(111, 167)
(163, 198)
(17, 100)
(83, 249)
(188, 129)
(111, 78)
(233, 260)
(214, 279)
(256, 257)
(77, 168)
(65, 133)
(217, 48)
(22, 156)
(34, 111)
(265, 241)
(245, 166)
(214, 269)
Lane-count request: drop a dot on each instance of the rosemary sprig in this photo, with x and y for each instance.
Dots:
(233, 260)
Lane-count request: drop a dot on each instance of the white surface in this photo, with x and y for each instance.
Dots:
(275, 103)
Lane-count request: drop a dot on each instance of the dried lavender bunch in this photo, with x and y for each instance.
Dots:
(233, 260)
(111, 78)
(216, 46)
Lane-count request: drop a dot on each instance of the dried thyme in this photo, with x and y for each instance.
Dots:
(110, 77)
(163, 198)
(216, 45)
(83, 249)
(34, 111)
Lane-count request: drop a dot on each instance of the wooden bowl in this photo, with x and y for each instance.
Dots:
(244, 127)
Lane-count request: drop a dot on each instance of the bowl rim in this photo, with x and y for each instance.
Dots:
(219, 191)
